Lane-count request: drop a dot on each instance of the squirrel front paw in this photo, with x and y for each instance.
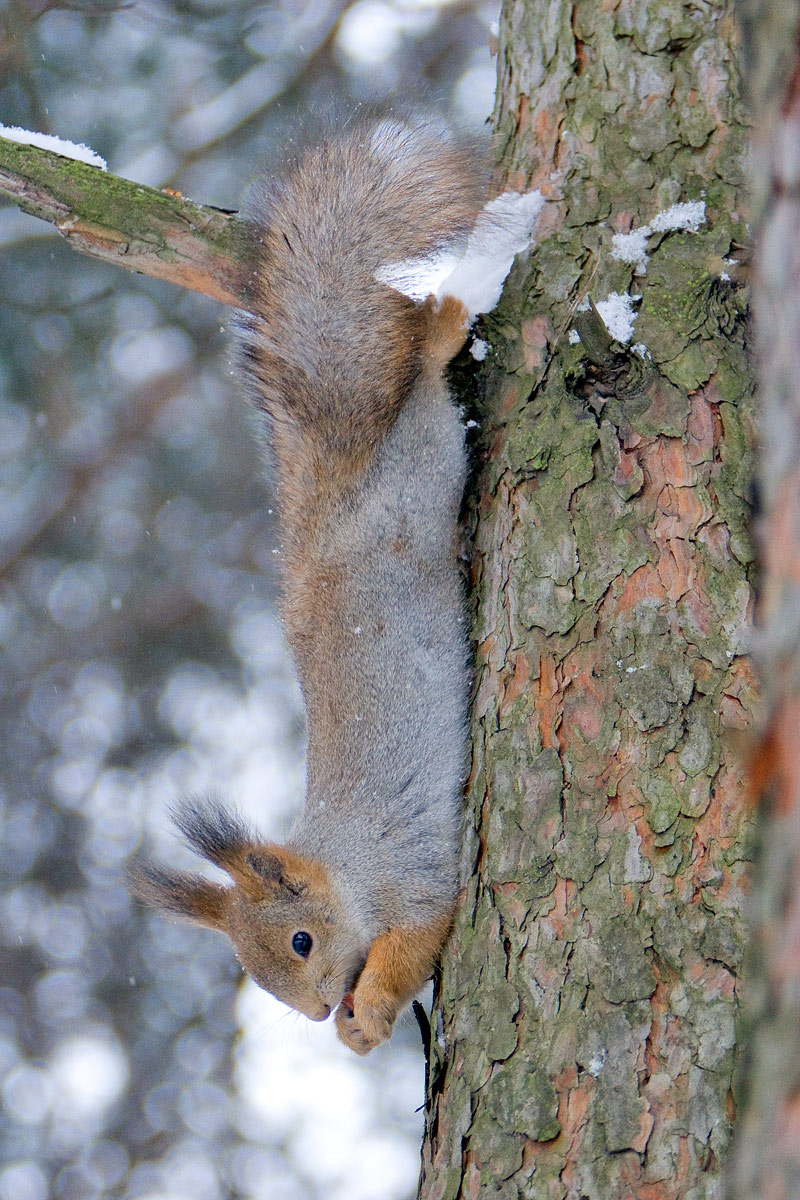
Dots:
(365, 1018)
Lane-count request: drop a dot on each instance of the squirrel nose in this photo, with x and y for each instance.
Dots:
(324, 1013)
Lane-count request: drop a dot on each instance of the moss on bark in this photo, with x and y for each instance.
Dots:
(140, 228)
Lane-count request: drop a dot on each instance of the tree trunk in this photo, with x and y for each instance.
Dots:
(767, 1160)
(586, 1041)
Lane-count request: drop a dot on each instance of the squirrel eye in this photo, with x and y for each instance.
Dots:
(301, 944)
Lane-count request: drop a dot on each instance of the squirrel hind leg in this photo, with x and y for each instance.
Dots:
(447, 323)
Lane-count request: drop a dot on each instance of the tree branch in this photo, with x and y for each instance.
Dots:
(156, 233)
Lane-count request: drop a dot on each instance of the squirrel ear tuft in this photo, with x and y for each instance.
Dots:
(188, 896)
(212, 830)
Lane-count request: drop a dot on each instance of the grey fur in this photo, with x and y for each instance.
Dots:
(388, 682)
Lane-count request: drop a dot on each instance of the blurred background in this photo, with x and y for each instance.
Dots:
(140, 653)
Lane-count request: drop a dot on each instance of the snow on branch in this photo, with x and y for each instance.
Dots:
(48, 141)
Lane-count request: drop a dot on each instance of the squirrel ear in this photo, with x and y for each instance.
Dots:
(214, 832)
(185, 895)
(266, 864)
(225, 839)
(271, 866)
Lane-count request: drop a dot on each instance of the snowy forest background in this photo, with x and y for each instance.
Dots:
(140, 656)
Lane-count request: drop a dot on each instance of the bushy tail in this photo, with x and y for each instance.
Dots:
(330, 346)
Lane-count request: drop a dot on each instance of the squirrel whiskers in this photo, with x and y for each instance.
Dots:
(351, 913)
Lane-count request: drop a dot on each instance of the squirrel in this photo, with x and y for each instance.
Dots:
(352, 912)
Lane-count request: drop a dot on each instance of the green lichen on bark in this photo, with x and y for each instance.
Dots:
(131, 225)
(597, 946)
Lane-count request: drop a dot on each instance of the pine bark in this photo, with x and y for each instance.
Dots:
(587, 1039)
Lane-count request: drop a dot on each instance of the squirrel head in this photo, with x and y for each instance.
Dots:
(284, 916)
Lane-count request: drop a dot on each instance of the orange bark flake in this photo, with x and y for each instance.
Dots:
(507, 889)
(536, 336)
(701, 618)
(517, 685)
(557, 917)
(574, 1101)
(660, 1002)
(548, 702)
(646, 1122)
(627, 465)
(676, 568)
(701, 430)
(623, 221)
(471, 1185)
(642, 587)
(573, 1109)
(677, 468)
(685, 508)
(546, 125)
(511, 397)
(716, 537)
(585, 710)
(523, 114)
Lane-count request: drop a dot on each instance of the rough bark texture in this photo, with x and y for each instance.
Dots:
(587, 1039)
(767, 1159)
(129, 225)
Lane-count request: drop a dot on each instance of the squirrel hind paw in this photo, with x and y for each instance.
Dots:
(448, 323)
